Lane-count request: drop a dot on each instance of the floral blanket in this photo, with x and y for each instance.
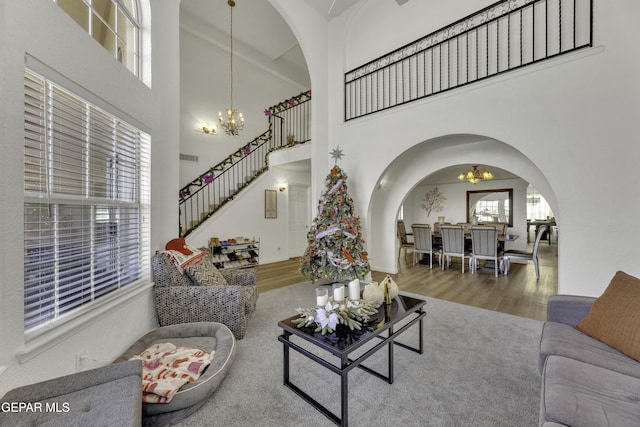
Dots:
(166, 368)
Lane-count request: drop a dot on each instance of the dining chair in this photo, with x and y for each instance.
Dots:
(501, 228)
(403, 237)
(484, 245)
(452, 244)
(465, 225)
(423, 242)
(507, 256)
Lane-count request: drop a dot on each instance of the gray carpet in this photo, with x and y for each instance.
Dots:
(478, 369)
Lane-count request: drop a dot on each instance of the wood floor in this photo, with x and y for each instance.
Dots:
(518, 293)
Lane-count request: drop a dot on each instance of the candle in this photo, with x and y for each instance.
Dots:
(354, 290)
(322, 296)
(338, 292)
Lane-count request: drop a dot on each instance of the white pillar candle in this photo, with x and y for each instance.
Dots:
(322, 296)
(354, 290)
(338, 292)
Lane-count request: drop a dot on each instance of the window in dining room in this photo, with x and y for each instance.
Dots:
(537, 206)
(491, 210)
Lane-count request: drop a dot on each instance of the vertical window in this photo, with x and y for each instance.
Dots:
(87, 195)
(115, 24)
(537, 206)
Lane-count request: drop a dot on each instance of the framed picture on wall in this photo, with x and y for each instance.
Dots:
(270, 204)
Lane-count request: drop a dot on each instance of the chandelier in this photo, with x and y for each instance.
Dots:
(232, 122)
(475, 175)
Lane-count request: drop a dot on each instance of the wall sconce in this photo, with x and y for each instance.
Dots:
(208, 129)
(282, 188)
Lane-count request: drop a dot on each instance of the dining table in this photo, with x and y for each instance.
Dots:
(467, 236)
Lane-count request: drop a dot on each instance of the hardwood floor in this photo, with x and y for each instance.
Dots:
(519, 293)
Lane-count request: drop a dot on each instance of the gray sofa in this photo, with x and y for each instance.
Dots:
(107, 396)
(584, 381)
(179, 300)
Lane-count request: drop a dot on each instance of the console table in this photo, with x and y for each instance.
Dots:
(343, 342)
(537, 224)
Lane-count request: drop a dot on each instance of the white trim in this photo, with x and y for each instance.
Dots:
(42, 339)
(2, 369)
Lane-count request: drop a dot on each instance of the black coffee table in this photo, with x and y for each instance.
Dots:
(403, 312)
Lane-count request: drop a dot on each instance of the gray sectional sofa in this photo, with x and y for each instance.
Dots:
(106, 396)
(584, 381)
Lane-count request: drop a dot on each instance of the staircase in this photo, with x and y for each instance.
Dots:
(289, 125)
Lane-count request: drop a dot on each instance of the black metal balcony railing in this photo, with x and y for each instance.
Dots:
(502, 37)
(289, 125)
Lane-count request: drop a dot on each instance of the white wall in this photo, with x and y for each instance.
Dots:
(46, 34)
(554, 120)
(244, 217)
(455, 206)
(312, 33)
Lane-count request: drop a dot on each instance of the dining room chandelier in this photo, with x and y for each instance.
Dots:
(475, 175)
(232, 121)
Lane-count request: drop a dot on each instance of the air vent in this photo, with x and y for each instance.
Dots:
(188, 158)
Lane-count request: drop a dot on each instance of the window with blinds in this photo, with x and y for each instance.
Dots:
(86, 209)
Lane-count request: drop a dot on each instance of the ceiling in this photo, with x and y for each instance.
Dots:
(259, 29)
(330, 8)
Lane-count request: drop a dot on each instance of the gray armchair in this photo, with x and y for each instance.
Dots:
(179, 300)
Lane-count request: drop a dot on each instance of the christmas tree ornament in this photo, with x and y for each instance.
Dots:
(336, 154)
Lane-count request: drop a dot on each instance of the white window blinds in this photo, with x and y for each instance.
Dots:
(87, 195)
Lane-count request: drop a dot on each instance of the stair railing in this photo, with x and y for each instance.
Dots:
(289, 125)
(504, 36)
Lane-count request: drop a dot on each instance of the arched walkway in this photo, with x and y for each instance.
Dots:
(422, 160)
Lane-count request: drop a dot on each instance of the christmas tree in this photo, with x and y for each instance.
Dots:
(336, 248)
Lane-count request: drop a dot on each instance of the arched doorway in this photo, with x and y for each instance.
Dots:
(425, 159)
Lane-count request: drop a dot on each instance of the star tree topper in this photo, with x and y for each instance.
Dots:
(337, 154)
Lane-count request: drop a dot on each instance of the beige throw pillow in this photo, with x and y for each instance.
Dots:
(204, 273)
(614, 317)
